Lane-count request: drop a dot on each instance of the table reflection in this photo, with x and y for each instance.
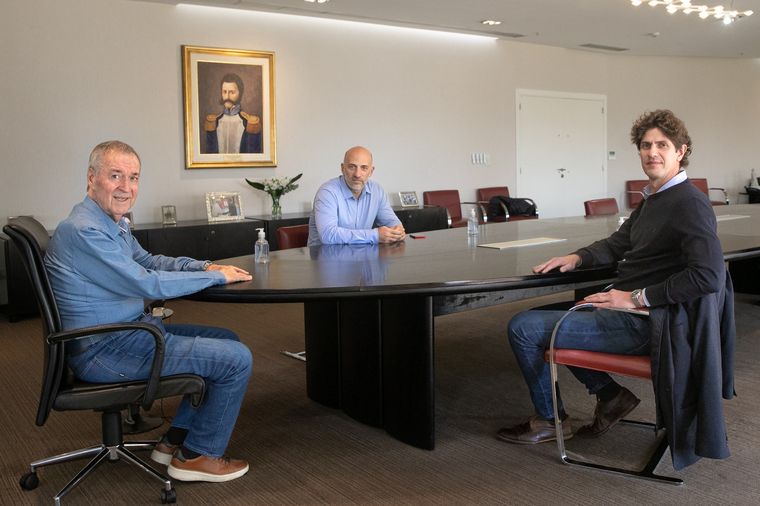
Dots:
(360, 264)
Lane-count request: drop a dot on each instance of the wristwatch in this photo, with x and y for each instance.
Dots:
(636, 298)
(206, 265)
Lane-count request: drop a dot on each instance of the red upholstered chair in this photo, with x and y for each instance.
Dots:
(625, 365)
(486, 194)
(295, 236)
(450, 200)
(633, 191)
(701, 183)
(601, 207)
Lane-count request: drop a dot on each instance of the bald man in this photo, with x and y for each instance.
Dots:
(351, 209)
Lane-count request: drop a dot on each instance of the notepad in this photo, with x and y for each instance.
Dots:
(522, 242)
(726, 217)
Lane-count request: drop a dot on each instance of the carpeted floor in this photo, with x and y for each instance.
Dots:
(303, 453)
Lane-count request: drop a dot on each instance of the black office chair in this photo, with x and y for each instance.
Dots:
(61, 391)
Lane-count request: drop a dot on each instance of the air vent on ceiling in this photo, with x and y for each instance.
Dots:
(603, 47)
(507, 34)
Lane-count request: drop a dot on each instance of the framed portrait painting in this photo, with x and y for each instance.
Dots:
(228, 97)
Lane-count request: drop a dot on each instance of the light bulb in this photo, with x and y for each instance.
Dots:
(636, 3)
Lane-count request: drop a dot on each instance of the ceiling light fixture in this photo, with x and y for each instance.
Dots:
(718, 12)
(317, 1)
(490, 22)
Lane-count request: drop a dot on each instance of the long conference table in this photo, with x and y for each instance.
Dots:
(369, 311)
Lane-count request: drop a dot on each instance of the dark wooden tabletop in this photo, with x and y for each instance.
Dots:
(449, 261)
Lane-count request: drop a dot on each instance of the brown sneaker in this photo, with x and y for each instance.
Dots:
(205, 468)
(607, 414)
(163, 451)
(535, 430)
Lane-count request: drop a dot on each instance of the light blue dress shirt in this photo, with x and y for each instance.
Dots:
(100, 273)
(340, 218)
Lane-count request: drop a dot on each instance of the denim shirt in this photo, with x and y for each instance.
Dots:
(340, 218)
(100, 274)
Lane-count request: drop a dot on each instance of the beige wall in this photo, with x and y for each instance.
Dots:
(81, 71)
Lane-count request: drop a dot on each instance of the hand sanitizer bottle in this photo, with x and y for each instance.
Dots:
(472, 222)
(261, 249)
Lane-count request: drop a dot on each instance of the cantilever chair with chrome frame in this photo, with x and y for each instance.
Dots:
(626, 365)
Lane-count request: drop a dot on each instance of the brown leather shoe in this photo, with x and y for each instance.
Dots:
(203, 468)
(163, 452)
(607, 414)
(535, 430)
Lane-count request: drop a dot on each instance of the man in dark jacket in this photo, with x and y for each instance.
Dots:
(667, 253)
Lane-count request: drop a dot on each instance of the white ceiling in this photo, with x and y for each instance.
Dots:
(562, 23)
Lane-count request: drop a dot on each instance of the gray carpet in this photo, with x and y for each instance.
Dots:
(303, 453)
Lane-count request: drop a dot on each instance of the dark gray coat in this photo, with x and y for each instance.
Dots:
(692, 346)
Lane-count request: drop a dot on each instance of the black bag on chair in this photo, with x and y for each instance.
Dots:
(515, 206)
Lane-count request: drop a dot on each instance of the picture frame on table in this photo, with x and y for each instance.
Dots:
(229, 108)
(168, 215)
(130, 219)
(408, 199)
(223, 206)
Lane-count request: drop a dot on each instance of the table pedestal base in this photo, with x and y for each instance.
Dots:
(373, 358)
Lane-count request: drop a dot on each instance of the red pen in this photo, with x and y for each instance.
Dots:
(416, 236)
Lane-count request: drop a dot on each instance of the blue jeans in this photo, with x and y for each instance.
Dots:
(215, 354)
(598, 330)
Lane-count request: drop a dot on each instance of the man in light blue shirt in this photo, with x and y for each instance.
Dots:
(351, 209)
(100, 274)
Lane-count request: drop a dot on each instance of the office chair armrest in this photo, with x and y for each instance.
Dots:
(725, 193)
(483, 204)
(158, 355)
(481, 209)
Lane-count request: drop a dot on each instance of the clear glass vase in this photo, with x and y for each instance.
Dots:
(276, 208)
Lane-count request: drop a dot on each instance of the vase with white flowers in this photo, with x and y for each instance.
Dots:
(276, 187)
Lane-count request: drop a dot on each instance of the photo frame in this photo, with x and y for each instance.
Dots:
(408, 199)
(214, 79)
(223, 206)
(168, 215)
(130, 219)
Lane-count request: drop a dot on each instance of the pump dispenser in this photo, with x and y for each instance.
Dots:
(261, 249)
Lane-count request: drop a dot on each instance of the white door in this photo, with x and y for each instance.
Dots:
(561, 150)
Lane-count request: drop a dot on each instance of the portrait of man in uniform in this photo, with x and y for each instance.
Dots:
(229, 107)
(231, 128)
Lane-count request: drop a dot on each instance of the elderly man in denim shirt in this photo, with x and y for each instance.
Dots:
(100, 274)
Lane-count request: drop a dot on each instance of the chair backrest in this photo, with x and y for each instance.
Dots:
(701, 184)
(445, 198)
(633, 189)
(486, 194)
(31, 239)
(601, 207)
(295, 236)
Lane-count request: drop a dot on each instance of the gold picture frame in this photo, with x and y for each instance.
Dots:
(245, 134)
(223, 206)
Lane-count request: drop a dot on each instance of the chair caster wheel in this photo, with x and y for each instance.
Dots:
(168, 496)
(29, 481)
